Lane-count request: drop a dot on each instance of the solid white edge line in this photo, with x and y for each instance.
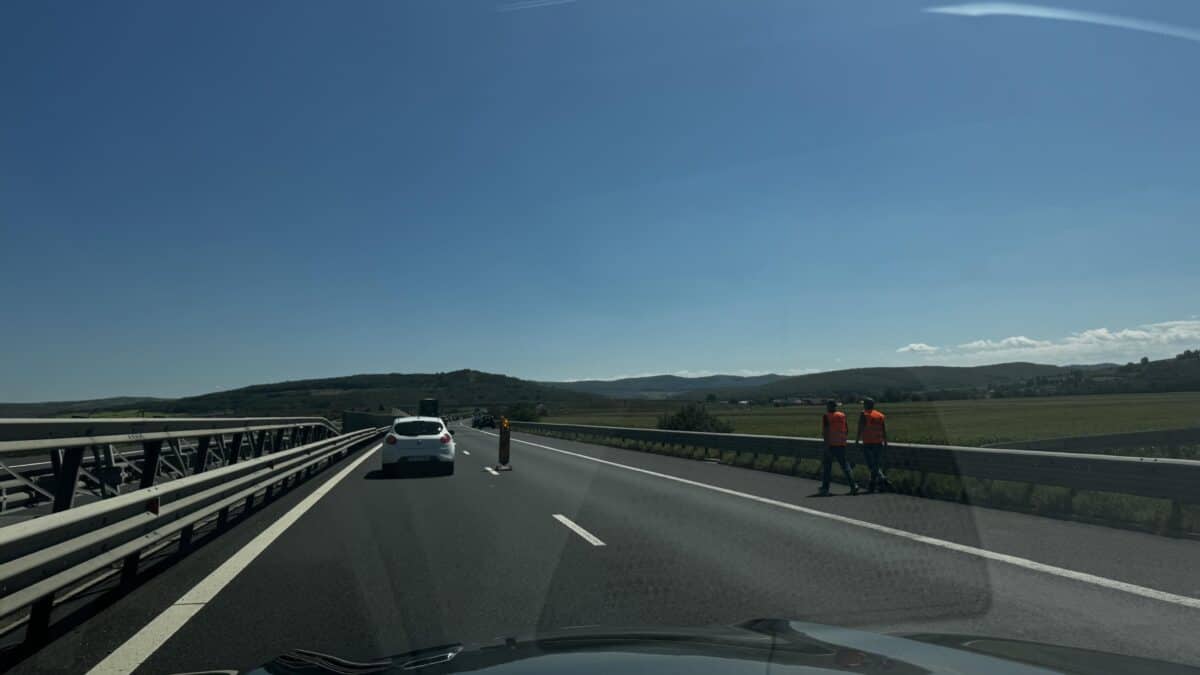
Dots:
(571, 525)
(1084, 577)
(153, 635)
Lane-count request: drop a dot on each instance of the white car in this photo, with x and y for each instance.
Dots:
(418, 440)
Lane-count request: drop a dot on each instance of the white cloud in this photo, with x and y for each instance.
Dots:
(977, 9)
(917, 348)
(1014, 342)
(1156, 340)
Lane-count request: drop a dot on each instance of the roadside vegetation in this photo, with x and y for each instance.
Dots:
(971, 422)
(694, 417)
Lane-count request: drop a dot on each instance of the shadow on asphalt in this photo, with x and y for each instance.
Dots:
(406, 473)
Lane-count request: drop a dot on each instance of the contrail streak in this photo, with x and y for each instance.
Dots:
(1059, 14)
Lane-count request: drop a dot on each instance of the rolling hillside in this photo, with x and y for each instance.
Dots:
(55, 408)
(876, 381)
(662, 386)
(330, 396)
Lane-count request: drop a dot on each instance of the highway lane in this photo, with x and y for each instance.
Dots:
(378, 566)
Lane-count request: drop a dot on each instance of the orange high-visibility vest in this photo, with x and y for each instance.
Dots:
(872, 427)
(836, 429)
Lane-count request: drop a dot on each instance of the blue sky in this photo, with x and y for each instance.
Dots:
(196, 196)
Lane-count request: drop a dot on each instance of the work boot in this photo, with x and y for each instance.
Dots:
(853, 489)
(823, 492)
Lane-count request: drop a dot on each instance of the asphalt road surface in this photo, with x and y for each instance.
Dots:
(359, 565)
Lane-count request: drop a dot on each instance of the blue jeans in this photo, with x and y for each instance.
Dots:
(835, 452)
(873, 452)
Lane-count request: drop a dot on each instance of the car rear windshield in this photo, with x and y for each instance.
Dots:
(418, 428)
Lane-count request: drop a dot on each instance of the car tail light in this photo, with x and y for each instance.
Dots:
(445, 439)
(391, 440)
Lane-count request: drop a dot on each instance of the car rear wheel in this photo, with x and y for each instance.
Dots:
(448, 470)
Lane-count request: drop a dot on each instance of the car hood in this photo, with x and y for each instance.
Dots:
(763, 645)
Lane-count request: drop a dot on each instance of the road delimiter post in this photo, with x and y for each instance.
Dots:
(505, 442)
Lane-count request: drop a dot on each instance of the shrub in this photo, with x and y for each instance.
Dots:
(523, 412)
(694, 417)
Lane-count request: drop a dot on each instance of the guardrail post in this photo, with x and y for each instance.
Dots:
(235, 449)
(259, 441)
(1174, 525)
(234, 452)
(199, 463)
(60, 461)
(39, 620)
(201, 460)
(66, 478)
(151, 453)
(277, 441)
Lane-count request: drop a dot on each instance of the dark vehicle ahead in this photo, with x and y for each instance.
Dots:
(484, 421)
(427, 407)
(765, 645)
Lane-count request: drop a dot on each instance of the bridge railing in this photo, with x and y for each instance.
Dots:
(41, 557)
(103, 457)
(1177, 480)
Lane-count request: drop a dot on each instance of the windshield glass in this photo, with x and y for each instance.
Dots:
(417, 428)
(433, 322)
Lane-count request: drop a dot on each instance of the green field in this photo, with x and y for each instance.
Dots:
(973, 423)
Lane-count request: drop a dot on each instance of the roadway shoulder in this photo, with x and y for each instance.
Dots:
(1140, 558)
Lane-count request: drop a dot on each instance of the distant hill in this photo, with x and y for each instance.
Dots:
(880, 381)
(662, 386)
(1181, 373)
(58, 408)
(472, 388)
(330, 396)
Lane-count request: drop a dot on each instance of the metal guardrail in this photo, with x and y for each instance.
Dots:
(42, 556)
(24, 429)
(1175, 479)
(132, 449)
(1161, 438)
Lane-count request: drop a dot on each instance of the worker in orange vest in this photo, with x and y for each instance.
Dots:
(834, 431)
(872, 438)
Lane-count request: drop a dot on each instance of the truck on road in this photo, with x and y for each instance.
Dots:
(428, 407)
